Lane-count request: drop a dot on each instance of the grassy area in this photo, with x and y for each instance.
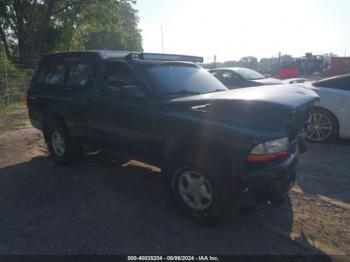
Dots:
(21, 122)
(12, 108)
(13, 116)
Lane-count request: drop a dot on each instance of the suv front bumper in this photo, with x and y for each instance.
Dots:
(271, 182)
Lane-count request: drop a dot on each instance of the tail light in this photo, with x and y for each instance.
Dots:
(27, 101)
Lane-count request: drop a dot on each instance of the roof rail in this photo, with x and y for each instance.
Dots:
(165, 57)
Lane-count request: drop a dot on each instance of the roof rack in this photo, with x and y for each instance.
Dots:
(165, 57)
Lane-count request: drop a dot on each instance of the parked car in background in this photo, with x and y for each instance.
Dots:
(298, 80)
(330, 117)
(211, 143)
(238, 77)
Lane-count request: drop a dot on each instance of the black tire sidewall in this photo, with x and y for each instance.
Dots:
(214, 173)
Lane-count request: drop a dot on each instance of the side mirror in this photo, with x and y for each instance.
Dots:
(132, 91)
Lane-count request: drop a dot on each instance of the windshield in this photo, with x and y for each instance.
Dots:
(181, 79)
(249, 74)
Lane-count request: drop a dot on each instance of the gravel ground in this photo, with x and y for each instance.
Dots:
(109, 205)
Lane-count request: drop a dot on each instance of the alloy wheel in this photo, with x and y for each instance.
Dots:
(58, 144)
(319, 128)
(195, 190)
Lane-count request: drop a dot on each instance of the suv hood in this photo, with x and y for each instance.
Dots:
(267, 105)
(283, 96)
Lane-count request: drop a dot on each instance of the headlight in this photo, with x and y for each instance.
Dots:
(270, 150)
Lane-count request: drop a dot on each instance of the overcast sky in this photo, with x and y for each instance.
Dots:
(231, 29)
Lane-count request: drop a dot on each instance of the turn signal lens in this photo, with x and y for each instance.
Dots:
(270, 150)
(267, 157)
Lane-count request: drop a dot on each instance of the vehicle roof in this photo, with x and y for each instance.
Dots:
(104, 54)
(116, 55)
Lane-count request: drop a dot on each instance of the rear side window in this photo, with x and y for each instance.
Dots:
(55, 74)
(78, 75)
(40, 77)
(68, 74)
(51, 74)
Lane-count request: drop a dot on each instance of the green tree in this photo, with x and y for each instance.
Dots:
(111, 25)
(30, 28)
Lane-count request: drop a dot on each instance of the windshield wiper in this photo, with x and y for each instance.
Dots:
(184, 92)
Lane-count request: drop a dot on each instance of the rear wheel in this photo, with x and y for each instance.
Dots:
(58, 143)
(63, 149)
(323, 126)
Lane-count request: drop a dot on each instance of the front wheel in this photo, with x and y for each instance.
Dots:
(195, 190)
(323, 126)
(201, 192)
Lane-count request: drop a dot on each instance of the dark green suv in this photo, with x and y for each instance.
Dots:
(212, 144)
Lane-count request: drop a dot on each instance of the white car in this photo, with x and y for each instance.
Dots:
(330, 117)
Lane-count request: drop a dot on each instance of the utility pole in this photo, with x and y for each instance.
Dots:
(161, 31)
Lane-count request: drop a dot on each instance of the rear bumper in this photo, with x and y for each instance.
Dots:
(271, 182)
(35, 119)
(35, 123)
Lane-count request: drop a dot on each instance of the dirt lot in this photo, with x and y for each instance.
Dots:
(109, 205)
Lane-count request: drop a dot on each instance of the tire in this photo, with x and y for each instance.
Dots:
(202, 192)
(63, 149)
(323, 127)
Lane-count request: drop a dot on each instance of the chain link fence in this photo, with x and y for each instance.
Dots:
(15, 77)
